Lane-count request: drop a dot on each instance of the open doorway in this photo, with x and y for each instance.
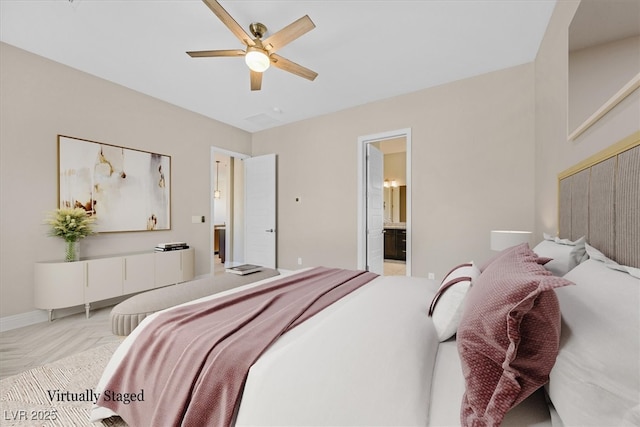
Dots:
(243, 210)
(227, 209)
(384, 170)
(394, 205)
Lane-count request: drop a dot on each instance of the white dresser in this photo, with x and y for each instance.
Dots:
(61, 284)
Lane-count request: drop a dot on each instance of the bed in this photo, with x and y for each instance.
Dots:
(411, 351)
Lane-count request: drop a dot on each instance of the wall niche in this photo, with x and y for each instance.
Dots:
(604, 60)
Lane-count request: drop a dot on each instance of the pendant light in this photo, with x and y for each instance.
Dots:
(216, 193)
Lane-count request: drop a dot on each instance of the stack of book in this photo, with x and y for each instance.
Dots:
(171, 246)
(244, 269)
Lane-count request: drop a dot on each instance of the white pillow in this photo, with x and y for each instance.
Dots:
(564, 253)
(446, 306)
(596, 377)
(593, 253)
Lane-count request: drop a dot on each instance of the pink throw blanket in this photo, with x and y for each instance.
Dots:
(188, 366)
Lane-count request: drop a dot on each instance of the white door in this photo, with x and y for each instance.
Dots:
(375, 210)
(260, 210)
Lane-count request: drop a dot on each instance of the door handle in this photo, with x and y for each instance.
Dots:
(271, 230)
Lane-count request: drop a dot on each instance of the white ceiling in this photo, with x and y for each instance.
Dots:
(363, 50)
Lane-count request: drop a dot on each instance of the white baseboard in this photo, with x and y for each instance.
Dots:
(16, 321)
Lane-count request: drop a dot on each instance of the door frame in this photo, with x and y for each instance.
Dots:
(212, 179)
(362, 194)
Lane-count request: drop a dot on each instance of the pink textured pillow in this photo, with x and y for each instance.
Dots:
(497, 256)
(508, 336)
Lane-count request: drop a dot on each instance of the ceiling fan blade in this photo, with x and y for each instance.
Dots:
(231, 23)
(256, 80)
(288, 34)
(290, 66)
(211, 53)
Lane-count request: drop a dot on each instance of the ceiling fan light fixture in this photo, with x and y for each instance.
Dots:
(259, 54)
(257, 60)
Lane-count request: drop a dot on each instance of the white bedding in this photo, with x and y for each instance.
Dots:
(365, 360)
(596, 378)
(368, 359)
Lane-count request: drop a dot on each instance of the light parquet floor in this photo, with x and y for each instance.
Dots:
(31, 346)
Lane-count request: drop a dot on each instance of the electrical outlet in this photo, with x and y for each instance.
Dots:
(299, 260)
(432, 276)
(197, 219)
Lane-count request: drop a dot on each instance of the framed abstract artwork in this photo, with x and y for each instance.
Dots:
(124, 189)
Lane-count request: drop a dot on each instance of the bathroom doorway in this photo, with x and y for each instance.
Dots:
(384, 242)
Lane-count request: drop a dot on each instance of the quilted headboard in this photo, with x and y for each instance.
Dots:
(600, 199)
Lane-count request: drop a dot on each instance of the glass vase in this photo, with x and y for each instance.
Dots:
(72, 251)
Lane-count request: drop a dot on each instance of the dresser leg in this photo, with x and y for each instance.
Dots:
(87, 307)
(50, 315)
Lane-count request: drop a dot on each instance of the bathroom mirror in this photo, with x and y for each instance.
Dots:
(395, 204)
(395, 179)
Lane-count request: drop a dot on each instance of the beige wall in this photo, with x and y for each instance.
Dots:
(597, 73)
(553, 152)
(472, 151)
(41, 99)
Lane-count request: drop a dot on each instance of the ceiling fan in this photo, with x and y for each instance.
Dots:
(260, 53)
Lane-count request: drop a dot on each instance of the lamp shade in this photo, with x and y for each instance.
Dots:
(503, 239)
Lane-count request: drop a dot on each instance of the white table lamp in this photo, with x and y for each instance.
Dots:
(503, 239)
